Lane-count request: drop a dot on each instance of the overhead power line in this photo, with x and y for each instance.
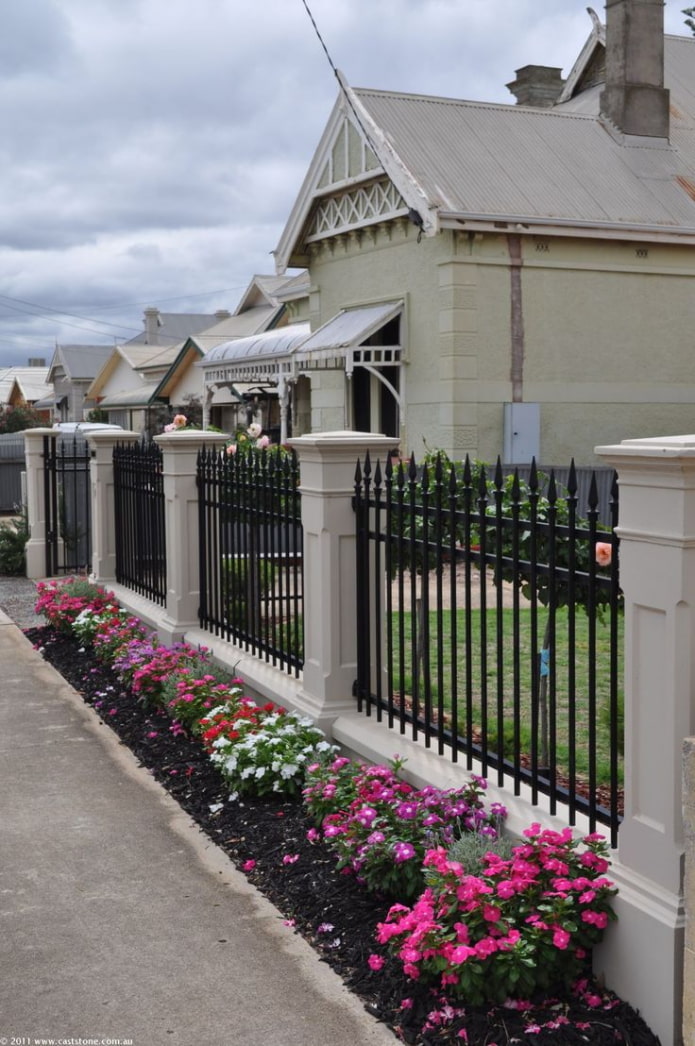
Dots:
(338, 77)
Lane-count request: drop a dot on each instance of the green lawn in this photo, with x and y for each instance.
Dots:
(484, 667)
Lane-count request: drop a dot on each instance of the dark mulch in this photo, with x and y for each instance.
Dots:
(328, 908)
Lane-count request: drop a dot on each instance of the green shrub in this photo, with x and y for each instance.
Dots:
(470, 849)
(246, 582)
(14, 534)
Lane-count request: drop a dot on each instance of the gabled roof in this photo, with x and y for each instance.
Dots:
(463, 164)
(32, 382)
(261, 292)
(142, 396)
(177, 326)
(80, 362)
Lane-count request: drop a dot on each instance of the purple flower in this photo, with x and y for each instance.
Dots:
(407, 811)
(403, 852)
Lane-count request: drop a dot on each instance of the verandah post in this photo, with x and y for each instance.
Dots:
(328, 462)
(657, 575)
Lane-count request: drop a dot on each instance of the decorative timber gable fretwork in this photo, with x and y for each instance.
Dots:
(355, 181)
(348, 158)
(353, 209)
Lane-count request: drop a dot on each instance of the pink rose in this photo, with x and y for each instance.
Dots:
(604, 553)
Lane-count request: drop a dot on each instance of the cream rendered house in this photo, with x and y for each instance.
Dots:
(508, 279)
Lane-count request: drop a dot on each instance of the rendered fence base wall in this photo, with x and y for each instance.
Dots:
(642, 958)
(689, 953)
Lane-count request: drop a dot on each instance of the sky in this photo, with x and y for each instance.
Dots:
(151, 150)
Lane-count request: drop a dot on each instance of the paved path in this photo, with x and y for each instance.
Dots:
(119, 919)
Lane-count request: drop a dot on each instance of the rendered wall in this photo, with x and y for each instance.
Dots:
(602, 336)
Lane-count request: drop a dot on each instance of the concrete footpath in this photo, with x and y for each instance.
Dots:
(119, 920)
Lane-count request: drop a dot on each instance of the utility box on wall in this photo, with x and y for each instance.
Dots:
(522, 433)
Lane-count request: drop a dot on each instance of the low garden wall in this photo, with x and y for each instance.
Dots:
(642, 960)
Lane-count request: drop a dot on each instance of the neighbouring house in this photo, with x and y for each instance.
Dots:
(500, 279)
(154, 376)
(126, 387)
(71, 372)
(271, 317)
(27, 387)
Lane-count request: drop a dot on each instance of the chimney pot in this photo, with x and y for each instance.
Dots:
(223, 314)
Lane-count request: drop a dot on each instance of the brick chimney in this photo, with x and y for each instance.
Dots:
(537, 85)
(634, 99)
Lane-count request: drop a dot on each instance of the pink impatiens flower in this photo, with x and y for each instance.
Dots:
(375, 962)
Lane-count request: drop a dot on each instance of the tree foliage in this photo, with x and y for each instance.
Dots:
(17, 419)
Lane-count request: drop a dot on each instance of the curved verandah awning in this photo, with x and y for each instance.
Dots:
(279, 356)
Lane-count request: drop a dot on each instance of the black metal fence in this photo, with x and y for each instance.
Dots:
(251, 568)
(493, 631)
(139, 519)
(67, 498)
(12, 465)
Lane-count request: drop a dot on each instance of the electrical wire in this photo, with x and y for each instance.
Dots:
(345, 94)
(16, 303)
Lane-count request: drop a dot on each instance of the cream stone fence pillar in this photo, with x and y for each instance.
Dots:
(327, 464)
(657, 575)
(36, 501)
(180, 456)
(103, 502)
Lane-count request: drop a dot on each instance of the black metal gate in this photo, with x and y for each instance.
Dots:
(68, 504)
(138, 476)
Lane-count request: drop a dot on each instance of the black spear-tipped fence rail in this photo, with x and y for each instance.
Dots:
(251, 565)
(487, 627)
(139, 523)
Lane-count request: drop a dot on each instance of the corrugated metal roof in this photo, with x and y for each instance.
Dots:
(32, 382)
(269, 345)
(347, 329)
(177, 326)
(140, 397)
(83, 361)
(510, 162)
(241, 325)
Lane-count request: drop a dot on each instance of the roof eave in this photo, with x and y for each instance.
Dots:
(188, 353)
(536, 226)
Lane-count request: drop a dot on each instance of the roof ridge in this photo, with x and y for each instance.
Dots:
(470, 103)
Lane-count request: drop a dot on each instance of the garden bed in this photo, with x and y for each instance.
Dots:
(267, 839)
